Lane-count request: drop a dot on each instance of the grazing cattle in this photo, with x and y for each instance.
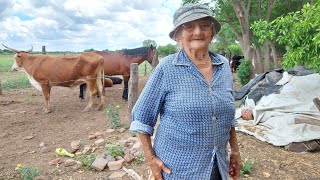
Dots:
(235, 62)
(108, 82)
(45, 72)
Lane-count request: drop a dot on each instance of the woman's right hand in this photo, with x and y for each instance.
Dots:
(157, 166)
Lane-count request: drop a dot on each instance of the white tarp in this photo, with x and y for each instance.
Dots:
(275, 114)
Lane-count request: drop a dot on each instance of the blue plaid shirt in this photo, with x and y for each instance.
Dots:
(195, 116)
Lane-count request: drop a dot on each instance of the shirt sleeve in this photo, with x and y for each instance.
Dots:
(145, 112)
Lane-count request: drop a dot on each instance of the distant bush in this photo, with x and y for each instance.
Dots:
(243, 72)
(18, 83)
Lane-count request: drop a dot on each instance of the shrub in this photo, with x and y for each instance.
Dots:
(86, 159)
(246, 169)
(115, 150)
(113, 115)
(17, 83)
(243, 72)
(27, 173)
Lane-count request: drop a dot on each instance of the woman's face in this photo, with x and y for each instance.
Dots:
(195, 35)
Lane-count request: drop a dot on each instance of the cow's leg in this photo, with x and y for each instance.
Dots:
(102, 93)
(82, 90)
(125, 89)
(91, 83)
(46, 93)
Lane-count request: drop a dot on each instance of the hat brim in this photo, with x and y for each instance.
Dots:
(216, 24)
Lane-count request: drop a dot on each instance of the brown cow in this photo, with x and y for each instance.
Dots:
(45, 72)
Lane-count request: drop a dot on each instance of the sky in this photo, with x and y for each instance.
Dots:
(77, 25)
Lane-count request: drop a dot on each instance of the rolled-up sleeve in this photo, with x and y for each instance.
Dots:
(234, 123)
(145, 112)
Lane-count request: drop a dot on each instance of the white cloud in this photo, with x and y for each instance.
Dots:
(83, 24)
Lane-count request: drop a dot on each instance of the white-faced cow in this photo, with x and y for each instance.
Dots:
(45, 72)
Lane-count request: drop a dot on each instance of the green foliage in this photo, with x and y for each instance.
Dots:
(86, 159)
(167, 50)
(18, 83)
(114, 150)
(6, 62)
(88, 50)
(299, 32)
(138, 160)
(243, 72)
(148, 42)
(28, 173)
(113, 115)
(234, 49)
(263, 30)
(246, 168)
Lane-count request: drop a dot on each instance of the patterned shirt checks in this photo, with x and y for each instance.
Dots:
(195, 116)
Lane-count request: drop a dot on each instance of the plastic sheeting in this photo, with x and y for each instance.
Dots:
(275, 115)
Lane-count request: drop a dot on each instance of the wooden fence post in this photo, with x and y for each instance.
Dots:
(44, 50)
(0, 88)
(133, 86)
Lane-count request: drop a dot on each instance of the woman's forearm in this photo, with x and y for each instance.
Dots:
(146, 146)
(233, 140)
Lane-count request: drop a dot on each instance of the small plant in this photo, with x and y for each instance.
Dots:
(17, 83)
(113, 115)
(246, 169)
(115, 150)
(243, 72)
(86, 159)
(138, 160)
(27, 173)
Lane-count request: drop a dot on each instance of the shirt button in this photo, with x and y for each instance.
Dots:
(210, 89)
(214, 118)
(216, 147)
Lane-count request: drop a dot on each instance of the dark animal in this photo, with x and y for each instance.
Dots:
(235, 62)
(108, 82)
(45, 72)
(118, 63)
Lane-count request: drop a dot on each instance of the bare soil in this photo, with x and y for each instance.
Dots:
(23, 127)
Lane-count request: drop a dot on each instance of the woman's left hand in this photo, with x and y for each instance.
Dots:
(235, 165)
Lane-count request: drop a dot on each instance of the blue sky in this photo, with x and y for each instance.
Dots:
(69, 25)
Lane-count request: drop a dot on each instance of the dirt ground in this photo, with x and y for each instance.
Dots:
(23, 127)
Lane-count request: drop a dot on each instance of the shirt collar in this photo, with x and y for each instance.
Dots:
(181, 59)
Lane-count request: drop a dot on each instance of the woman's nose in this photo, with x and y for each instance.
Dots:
(197, 29)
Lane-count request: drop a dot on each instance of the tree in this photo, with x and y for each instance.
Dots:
(167, 50)
(299, 32)
(88, 50)
(240, 14)
(148, 42)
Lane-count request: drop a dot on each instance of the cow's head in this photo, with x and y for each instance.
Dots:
(18, 57)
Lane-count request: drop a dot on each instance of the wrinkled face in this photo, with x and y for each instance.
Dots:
(195, 35)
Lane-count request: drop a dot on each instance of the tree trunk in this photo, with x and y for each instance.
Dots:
(266, 61)
(257, 60)
(276, 61)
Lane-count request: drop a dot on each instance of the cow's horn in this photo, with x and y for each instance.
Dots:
(29, 50)
(11, 49)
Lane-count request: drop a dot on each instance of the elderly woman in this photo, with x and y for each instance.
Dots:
(192, 91)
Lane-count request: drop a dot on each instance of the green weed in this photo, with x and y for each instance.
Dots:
(28, 173)
(138, 160)
(86, 159)
(17, 83)
(246, 169)
(113, 115)
(114, 150)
